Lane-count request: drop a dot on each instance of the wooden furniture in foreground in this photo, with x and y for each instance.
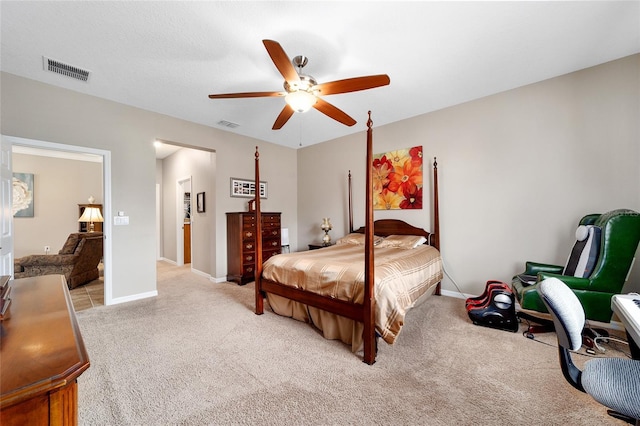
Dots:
(364, 312)
(242, 243)
(42, 355)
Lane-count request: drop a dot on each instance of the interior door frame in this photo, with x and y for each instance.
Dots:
(180, 183)
(6, 215)
(106, 195)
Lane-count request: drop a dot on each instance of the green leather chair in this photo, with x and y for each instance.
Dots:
(597, 267)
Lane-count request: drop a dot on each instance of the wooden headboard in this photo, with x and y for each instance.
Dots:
(386, 227)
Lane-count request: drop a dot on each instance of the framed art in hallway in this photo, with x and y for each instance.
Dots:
(200, 202)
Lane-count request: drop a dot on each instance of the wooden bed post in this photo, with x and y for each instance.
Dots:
(436, 218)
(436, 207)
(258, 267)
(350, 206)
(369, 332)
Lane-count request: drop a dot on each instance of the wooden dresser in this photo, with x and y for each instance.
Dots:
(42, 355)
(241, 243)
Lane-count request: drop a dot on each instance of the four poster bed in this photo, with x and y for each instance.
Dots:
(333, 288)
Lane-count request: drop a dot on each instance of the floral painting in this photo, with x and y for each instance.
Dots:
(397, 179)
(22, 195)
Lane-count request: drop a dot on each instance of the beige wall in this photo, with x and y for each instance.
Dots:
(42, 112)
(59, 186)
(517, 170)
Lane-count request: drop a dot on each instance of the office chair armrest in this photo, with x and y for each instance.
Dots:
(574, 283)
(533, 268)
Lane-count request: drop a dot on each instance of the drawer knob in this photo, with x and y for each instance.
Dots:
(248, 234)
(249, 246)
(249, 257)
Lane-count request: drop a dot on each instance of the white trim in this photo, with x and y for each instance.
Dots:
(158, 223)
(133, 297)
(67, 155)
(202, 274)
(455, 294)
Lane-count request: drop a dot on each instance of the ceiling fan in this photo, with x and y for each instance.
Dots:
(302, 91)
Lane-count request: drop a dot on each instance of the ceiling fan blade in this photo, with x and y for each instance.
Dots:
(284, 116)
(334, 112)
(281, 60)
(247, 95)
(353, 84)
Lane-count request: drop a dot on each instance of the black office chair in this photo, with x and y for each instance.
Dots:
(613, 382)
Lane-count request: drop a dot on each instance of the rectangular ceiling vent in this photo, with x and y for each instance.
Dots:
(65, 69)
(226, 123)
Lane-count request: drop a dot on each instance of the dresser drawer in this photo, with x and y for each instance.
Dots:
(248, 257)
(270, 232)
(249, 234)
(270, 221)
(271, 244)
(248, 270)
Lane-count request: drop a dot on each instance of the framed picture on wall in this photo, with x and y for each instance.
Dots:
(247, 188)
(200, 202)
(23, 195)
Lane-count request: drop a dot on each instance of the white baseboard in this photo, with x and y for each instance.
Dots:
(455, 294)
(139, 296)
(202, 274)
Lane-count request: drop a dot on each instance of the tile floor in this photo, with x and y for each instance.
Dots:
(89, 295)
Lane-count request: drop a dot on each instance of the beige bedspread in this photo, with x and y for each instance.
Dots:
(401, 278)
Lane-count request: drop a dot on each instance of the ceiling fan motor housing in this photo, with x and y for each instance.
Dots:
(306, 84)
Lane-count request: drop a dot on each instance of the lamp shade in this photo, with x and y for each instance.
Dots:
(91, 214)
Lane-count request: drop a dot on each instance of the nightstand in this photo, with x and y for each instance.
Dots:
(316, 246)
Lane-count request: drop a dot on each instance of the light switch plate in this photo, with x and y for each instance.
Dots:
(120, 220)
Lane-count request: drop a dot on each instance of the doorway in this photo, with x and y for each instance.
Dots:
(186, 170)
(183, 220)
(105, 158)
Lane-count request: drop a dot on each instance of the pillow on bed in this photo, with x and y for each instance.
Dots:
(357, 239)
(403, 241)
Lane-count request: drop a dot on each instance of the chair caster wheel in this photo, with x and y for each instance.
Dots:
(529, 335)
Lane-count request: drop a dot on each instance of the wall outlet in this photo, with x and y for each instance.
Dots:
(47, 249)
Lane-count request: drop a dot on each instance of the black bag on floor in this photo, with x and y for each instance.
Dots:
(495, 308)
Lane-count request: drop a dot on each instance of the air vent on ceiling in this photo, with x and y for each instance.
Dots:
(65, 69)
(226, 123)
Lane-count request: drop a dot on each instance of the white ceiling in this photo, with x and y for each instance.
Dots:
(168, 56)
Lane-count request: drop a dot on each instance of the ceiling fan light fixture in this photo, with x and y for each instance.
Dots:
(300, 101)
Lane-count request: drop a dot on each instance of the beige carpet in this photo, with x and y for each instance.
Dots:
(198, 355)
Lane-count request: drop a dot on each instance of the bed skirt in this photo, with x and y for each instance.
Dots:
(332, 326)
